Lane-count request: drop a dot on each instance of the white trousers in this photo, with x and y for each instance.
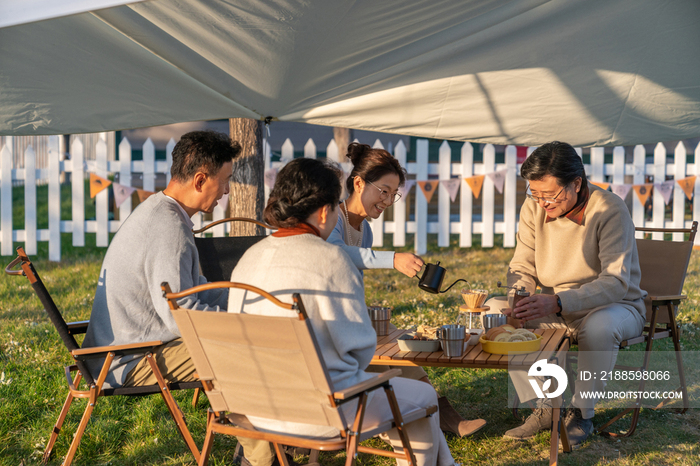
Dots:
(427, 440)
(598, 335)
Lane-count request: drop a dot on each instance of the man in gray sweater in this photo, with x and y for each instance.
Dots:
(156, 244)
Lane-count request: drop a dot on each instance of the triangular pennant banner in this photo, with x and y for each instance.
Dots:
(643, 191)
(223, 202)
(121, 193)
(143, 195)
(428, 188)
(270, 177)
(665, 189)
(98, 184)
(475, 183)
(687, 185)
(498, 178)
(406, 188)
(601, 185)
(452, 186)
(621, 190)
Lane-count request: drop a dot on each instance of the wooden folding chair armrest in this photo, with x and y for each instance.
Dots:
(118, 350)
(371, 384)
(679, 297)
(77, 327)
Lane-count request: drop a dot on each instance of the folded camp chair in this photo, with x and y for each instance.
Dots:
(218, 256)
(285, 378)
(664, 265)
(94, 382)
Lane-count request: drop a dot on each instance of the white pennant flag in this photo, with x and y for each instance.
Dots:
(121, 193)
(406, 188)
(270, 177)
(666, 190)
(621, 190)
(498, 178)
(223, 202)
(452, 186)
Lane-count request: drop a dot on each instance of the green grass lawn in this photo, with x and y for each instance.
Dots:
(140, 431)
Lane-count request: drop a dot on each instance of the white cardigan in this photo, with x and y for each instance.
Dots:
(333, 294)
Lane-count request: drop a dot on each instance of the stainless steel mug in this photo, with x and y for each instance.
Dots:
(452, 339)
(380, 317)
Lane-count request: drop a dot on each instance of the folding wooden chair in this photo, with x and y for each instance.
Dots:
(285, 379)
(664, 265)
(94, 382)
(218, 256)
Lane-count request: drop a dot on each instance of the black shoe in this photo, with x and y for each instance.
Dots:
(577, 428)
(539, 421)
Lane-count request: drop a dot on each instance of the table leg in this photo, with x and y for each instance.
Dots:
(554, 442)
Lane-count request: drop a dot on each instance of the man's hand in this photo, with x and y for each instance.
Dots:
(536, 306)
(407, 263)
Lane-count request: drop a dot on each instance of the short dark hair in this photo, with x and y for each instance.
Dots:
(557, 159)
(204, 151)
(371, 164)
(301, 188)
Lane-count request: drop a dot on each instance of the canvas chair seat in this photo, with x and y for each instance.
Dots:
(286, 379)
(93, 383)
(664, 265)
(219, 256)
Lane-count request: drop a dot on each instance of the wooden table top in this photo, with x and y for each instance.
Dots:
(388, 353)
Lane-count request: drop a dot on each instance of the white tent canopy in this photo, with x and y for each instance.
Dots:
(508, 72)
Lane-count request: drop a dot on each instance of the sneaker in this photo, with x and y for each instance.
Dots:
(539, 421)
(577, 428)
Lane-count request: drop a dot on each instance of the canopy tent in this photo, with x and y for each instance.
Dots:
(610, 72)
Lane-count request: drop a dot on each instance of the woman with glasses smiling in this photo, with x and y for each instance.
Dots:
(373, 185)
(576, 243)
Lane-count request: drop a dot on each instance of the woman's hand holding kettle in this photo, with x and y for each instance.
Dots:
(407, 263)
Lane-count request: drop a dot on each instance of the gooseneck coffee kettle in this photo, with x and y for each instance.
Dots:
(431, 281)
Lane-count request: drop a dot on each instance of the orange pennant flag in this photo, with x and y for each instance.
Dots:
(143, 195)
(643, 191)
(475, 183)
(601, 185)
(98, 184)
(428, 188)
(687, 185)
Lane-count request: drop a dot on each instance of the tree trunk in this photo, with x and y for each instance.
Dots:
(343, 138)
(247, 192)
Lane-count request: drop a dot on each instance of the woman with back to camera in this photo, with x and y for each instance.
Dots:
(372, 187)
(304, 206)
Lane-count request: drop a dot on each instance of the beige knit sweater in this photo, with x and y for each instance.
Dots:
(588, 265)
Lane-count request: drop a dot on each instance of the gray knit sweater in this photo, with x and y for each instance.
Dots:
(155, 244)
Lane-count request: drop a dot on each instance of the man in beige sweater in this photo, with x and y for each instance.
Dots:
(576, 243)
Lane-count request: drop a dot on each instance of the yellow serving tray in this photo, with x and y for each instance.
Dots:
(506, 347)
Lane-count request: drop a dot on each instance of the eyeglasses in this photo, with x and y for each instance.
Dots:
(384, 194)
(546, 200)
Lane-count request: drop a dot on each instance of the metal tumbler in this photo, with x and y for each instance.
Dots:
(452, 339)
(380, 317)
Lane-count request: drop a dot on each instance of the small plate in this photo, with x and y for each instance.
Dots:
(425, 346)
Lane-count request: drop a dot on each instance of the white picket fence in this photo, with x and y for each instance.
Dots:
(487, 224)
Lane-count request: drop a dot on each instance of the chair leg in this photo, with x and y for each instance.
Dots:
(679, 358)
(208, 440)
(398, 419)
(57, 427)
(91, 402)
(352, 440)
(195, 397)
(173, 407)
